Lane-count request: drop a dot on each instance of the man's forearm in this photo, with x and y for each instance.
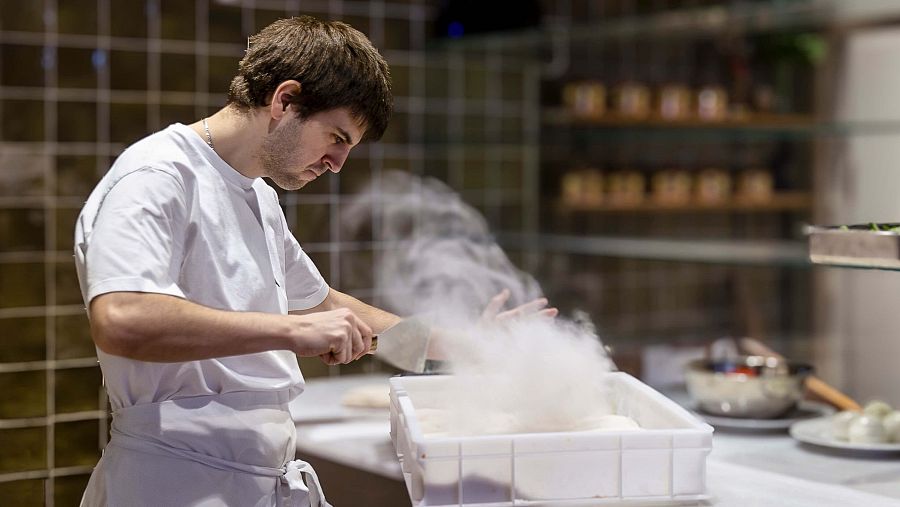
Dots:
(376, 318)
(162, 328)
(379, 320)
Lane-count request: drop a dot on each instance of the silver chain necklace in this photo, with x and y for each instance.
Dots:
(208, 135)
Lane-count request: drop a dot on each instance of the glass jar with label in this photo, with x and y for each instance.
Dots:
(712, 103)
(674, 101)
(671, 186)
(631, 99)
(712, 186)
(626, 187)
(585, 99)
(755, 185)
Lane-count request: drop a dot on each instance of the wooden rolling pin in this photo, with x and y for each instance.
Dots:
(814, 384)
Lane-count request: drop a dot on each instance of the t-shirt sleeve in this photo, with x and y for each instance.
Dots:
(305, 286)
(137, 239)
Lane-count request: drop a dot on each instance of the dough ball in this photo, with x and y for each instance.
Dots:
(433, 421)
(608, 422)
(892, 426)
(877, 409)
(840, 424)
(369, 396)
(866, 429)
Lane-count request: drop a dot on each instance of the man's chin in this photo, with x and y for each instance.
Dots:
(292, 184)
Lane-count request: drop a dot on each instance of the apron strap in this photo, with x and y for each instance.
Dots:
(298, 483)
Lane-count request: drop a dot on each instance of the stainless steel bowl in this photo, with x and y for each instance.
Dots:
(746, 386)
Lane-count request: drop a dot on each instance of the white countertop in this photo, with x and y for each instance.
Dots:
(351, 437)
(744, 469)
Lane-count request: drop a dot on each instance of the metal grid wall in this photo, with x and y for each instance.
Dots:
(81, 79)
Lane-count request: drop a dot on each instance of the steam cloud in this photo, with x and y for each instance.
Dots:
(441, 252)
(527, 375)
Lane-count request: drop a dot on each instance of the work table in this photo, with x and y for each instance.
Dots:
(743, 469)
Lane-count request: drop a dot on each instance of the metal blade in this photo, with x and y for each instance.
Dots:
(405, 345)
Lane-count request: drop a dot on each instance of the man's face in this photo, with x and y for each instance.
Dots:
(299, 151)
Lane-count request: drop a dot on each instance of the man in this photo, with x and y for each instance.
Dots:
(199, 296)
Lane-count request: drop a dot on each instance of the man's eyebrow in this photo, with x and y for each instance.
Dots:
(347, 137)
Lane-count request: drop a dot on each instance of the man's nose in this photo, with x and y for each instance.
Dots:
(336, 160)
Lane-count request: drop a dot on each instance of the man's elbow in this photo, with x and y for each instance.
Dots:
(114, 325)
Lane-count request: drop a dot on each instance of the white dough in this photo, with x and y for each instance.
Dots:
(878, 409)
(608, 422)
(433, 421)
(892, 426)
(866, 429)
(500, 423)
(840, 424)
(368, 396)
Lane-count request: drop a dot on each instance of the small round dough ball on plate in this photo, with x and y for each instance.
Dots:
(866, 429)
(877, 409)
(840, 424)
(892, 426)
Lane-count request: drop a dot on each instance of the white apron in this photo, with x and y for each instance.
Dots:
(232, 449)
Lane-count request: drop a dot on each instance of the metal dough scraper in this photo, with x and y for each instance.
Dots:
(403, 345)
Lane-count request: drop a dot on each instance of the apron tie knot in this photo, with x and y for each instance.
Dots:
(298, 483)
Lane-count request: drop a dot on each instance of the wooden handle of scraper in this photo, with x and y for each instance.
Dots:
(814, 384)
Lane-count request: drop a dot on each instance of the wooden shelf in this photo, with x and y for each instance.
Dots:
(702, 250)
(782, 201)
(559, 117)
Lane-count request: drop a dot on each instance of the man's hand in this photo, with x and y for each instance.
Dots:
(492, 312)
(336, 336)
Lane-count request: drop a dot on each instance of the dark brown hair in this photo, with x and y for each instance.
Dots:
(336, 65)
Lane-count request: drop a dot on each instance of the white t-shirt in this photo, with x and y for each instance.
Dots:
(171, 217)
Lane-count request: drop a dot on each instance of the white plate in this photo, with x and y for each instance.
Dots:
(805, 410)
(818, 432)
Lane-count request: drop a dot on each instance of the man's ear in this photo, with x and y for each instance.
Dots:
(282, 98)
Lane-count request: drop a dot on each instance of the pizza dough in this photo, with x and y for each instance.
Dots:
(433, 422)
(368, 396)
(607, 422)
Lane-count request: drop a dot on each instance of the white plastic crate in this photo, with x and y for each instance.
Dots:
(664, 462)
